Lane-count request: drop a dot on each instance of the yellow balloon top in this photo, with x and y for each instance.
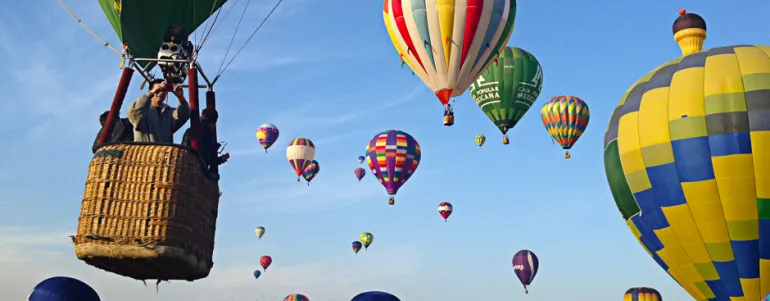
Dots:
(689, 32)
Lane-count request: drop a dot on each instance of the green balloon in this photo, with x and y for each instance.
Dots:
(509, 87)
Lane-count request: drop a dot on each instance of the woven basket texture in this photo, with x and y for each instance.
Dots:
(149, 211)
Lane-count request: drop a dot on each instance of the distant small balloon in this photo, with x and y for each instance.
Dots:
(445, 209)
(257, 273)
(375, 296)
(359, 173)
(361, 159)
(357, 246)
(265, 261)
(311, 171)
(525, 265)
(260, 231)
(366, 239)
(267, 134)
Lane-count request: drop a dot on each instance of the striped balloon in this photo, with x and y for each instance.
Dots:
(267, 134)
(445, 209)
(359, 173)
(642, 294)
(447, 52)
(525, 265)
(301, 152)
(296, 297)
(565, 118)
(311, 171)
(393, 157)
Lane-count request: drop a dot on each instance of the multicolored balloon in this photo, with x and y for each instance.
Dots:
(565, 118)
(480, 139)
(265, 261)
(63, 289)
(508, 88)
(357, 246)
(361, 159)
(393, 157)
(359, 173)
(642, 294)
(446, 52)
(300, 152)
(296, 297)
(375, 296)
(260, 231)
(366, 239)
(267, 134)
(311, 171)
(525, 265)
(687, 158)
(257, 273)
(445, 209)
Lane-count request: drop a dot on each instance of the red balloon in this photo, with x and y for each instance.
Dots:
(265, 261)
(445, 209)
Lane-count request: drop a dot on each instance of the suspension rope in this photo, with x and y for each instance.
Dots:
(89, 29)
(211, 28)
(227, 13)
(232, 39)
(251, 36)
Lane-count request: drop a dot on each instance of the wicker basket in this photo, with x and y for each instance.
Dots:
(149, 211)
(449, 120)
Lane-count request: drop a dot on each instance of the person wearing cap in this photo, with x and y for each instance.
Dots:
(153, 119)
(207, 143)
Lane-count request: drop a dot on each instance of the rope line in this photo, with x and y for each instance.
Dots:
(232, 39)
(89, 29)
(251, 36)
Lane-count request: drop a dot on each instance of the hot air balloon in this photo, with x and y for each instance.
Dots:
(359, 173)
(265, 261)
(689, 32)
(525, 265)
(642, 294)
(357, 246)
(361, 159)
(260, 231)
(311, 171)
(301, 152)
(366, 239)
(565, 118)
(447, 52)
(63, 289)
(393, 157)
(257, 273)
(508, 88)
(445, 209)
(480, 139)
(687, 158)
(267, 134)
(296, 297)
(375, 296)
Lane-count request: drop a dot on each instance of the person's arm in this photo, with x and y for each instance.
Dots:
(138, 109)
(182, 111)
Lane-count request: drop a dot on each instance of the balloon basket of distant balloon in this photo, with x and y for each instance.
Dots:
(449, 120)
(149, 211)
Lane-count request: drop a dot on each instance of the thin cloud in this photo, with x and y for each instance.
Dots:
(336, 278)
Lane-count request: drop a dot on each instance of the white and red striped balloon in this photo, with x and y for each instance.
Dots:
(445, 209)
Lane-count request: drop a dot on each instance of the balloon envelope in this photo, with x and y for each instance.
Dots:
(260, 231)
(62, 289)
(300, 152)
(510, 86)
(359, 173)
(689, 169)
(361, 159)
(366, 238)
(356, 246)
(565, 118)
(525, 265)
(267, 134)
(642, 294)
(375, 296)
(265, 261)
(311, 171)
(257, 273)
(393, 157)
(445, 209)
(445, 51)
(296, 297)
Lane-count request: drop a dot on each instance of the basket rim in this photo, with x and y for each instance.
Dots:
(203, 166)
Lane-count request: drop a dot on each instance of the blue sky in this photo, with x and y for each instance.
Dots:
(326, 70)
